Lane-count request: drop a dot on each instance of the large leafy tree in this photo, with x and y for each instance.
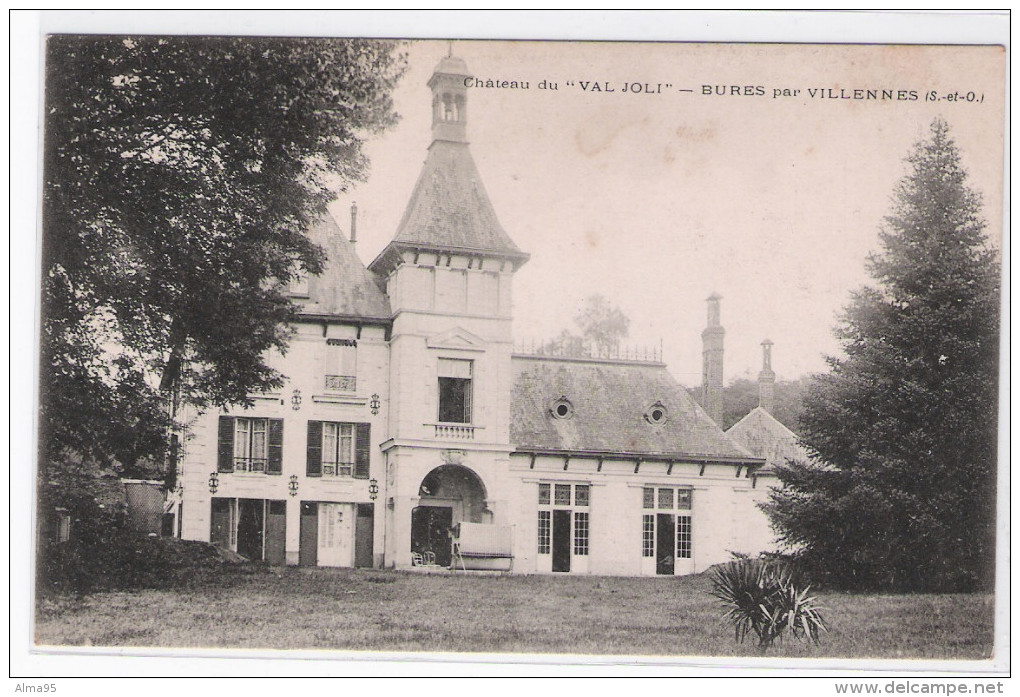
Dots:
(600, 328)
(741, 396)
(180, 176)
(904, 427)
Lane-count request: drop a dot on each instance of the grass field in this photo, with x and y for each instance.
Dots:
(398, 611)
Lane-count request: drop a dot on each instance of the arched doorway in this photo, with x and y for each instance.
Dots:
(448, 495)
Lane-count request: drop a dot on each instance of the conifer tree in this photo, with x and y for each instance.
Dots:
(903, 428)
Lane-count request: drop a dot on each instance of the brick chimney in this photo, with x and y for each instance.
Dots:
(354, 223)
(712, 361)
(766, 379)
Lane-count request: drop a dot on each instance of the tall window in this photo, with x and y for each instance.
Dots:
(648, 536)
(576, 500)
(581, 532)
(454, 391)
(544, 531)
(683, 536)
(250, 453)
(337, 449)
(676, 503)
(249, 445)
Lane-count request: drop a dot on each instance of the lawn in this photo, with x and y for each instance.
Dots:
(251, 607)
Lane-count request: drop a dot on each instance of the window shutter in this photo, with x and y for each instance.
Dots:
(219, 532)
(362, 449)
(275, 446)
(313, 467)
(225, 445)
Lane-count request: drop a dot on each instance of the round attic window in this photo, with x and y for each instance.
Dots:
(657, 414)
(562, 408)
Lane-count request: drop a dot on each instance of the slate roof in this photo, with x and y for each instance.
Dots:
(766, 437)
(610, 400)
(449, 209)
(345, 288)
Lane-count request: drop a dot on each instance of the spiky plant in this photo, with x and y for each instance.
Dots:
(764, 598)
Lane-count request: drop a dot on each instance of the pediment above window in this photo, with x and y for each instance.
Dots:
(457, 338)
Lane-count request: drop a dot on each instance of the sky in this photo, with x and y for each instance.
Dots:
(655, 200)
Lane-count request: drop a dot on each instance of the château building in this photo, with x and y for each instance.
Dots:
(409, 430)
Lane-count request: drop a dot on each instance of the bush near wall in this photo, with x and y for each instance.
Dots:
(122, 560)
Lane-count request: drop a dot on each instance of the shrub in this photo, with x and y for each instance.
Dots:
(125, 561)
(765, 598)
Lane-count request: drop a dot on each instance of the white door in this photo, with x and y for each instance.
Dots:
(336, 534)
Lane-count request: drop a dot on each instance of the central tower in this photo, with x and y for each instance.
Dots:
(448, 273)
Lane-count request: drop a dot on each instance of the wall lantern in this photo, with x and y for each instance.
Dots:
(293, 485)
(214, 482)
(373, 489)
(295, 400)
(375, 404)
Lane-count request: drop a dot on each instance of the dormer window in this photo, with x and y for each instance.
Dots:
(657, 414)
(298, 285)
(562, 408)
(341, 365)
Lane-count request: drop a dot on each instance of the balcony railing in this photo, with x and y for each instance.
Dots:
(250, 464)
(337, 469)
(341, 383)
(454, 431)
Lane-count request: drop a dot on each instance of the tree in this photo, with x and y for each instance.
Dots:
(741, 396)
(906, 422)
(601, 326)
(180, 176)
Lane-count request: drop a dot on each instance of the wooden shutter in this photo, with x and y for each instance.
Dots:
(313, 467)
(362, 450)
(225, 445)
(275, 446)
(219, 532)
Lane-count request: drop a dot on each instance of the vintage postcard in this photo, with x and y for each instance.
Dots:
(521, 350)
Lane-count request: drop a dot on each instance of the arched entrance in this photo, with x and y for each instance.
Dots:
(448, 495)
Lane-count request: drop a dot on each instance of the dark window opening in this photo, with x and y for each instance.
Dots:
(455, 400)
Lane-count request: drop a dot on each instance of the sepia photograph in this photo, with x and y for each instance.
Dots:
(680, 351)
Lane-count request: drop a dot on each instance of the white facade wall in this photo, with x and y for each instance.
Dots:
(302, 398)
(446, 310)
(721, 519)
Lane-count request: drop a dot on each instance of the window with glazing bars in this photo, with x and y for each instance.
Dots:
(337, 449)
(544, 531)
(683, 536)
(250, 445)
(648, 497)
(648, 536)
(580, 533)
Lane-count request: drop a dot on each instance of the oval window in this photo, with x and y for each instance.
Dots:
(562, 408)
(656, 414)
